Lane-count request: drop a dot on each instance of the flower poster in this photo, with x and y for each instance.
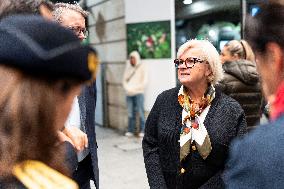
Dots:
(150, 39)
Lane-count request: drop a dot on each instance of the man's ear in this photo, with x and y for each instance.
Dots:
(276, 58)
(45, 12)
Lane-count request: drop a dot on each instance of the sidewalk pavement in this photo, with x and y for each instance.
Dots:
(121, 161)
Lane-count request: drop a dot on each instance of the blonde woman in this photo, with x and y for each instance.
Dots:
(241, 80)
(190, 127)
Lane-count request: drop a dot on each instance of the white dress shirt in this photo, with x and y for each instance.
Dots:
(75, 121)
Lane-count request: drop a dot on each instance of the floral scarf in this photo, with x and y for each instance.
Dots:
(193, 132)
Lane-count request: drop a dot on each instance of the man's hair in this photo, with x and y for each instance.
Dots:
(59, 8)
(10, 7)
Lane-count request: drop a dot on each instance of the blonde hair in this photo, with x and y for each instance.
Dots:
(240, 48)
(207, 52)
(59, 8)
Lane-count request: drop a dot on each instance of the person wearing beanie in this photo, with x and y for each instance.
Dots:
(134, 83)
(40, 75)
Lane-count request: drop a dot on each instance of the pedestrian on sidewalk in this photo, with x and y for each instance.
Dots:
(134, 83)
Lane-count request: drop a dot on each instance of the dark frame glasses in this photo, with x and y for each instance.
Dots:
(78, 30)
(189, 62)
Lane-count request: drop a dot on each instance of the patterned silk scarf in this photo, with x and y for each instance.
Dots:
(193, 132)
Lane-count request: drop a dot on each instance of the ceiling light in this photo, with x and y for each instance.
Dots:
(187, 2)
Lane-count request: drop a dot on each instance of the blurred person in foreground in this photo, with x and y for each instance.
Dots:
(257, 160)
(134, 83)
(241, 80)
(190, 127)
(80, 126)
(43, 8)
(40, 76)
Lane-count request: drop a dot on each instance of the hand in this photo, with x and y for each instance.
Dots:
(62, 137)
(79, 138)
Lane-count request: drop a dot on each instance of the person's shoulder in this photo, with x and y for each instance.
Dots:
(33, 173)
(169, 93)
(257, 158)
(265, 140)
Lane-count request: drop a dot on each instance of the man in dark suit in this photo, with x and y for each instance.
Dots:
(257, 160)
(80, 126)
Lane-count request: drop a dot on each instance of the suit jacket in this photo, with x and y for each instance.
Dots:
(87, 104)
(71, 156)
(224, 121)
(256, 162)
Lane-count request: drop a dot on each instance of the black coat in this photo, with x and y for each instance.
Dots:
(87, 101)
(241, 82)
(224, 121)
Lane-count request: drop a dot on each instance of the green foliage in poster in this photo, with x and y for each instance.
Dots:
(151, 39)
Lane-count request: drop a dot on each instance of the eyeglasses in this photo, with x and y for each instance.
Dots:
(78, 30)
(189, 62)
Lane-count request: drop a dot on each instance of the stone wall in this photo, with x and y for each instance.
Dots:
(108, 35)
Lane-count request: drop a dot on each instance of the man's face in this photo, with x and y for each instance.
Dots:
(75, 21)
(132, 61)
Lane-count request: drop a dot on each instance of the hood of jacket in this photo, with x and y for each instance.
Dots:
(243, 70)
(136, 55)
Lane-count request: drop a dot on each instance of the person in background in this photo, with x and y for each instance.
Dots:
(40, 76)
(190, 127)
(134, 83)
(80, 126)
(257, 160)
(241, 80)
